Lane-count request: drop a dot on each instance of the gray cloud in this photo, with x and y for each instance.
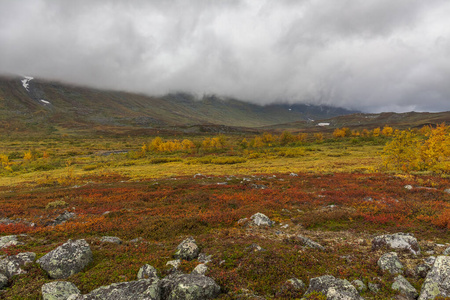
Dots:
(373, 55)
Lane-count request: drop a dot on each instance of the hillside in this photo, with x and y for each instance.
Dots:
(30, 103)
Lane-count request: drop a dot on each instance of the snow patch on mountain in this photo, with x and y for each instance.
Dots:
(45, 101)
(25, 82)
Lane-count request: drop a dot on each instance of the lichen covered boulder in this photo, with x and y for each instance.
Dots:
(59, 290)
(260, 219)
(187, 249)
(390, 262)
(404, 288)
(437, 282)
(11, 265)
(66, 260)
(333, 288)
(143, 289)
(188, 286)
(397, 241)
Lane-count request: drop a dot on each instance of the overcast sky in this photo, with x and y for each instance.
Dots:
(371, 55)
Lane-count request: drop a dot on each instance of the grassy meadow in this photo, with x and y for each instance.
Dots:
(333, 188)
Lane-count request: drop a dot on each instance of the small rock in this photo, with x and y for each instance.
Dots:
(62, 218)
(66, 260)
(359, 285)
(8, 241)
(200, 269)
(310, 243)
(430, 260)
(296, 283)
(447, 191)
(187, 249)
(260, 219)
(198, 175)
(333, 288)
(174, 263)
(203, 258)
(146, 272)
(293, 175)
(137, 240)
(404, 287)
(373, 287)
(398, 241)
(408, 187)
(111, 239)
(255, 248)
(58, 290)
(422, 270)
(390, 262)
(258, 186)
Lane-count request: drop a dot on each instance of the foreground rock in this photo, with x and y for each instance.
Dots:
(11, 265)
(66, 260)
(187, 249)
(405, 288)
(437, 282)
(398, 241)
(188, 286)
(59, 290)
(144, 289)
(260, 219)
(333, 288)
(390, 262)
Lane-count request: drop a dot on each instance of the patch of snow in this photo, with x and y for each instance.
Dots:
(323, 124)
(290, 109)
(25, 81)
(45, 101)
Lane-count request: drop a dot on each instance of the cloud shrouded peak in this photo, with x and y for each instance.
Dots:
(373, 55)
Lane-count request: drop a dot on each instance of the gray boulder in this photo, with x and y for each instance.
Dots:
(437, 282)
(59, 290)
(62, 218)
(111, 239)
(333, 288)
(147, 272)
(404, 288)
(187, 249)
(203, 258)
(260, 219)
(11, 265)
(398, 241)
(189, 287)
(309, 243)
(143, 289)
(390, 262)
(8, 241)
(66, 260)
(3, 281)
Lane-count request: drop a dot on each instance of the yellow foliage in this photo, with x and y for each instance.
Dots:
(318, 136)
(28, 155)
(376, 131)
(387, 131)
(301, 137)
(257, 142)
(406, 152)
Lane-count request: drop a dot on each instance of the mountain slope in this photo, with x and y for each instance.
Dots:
(31, 101)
